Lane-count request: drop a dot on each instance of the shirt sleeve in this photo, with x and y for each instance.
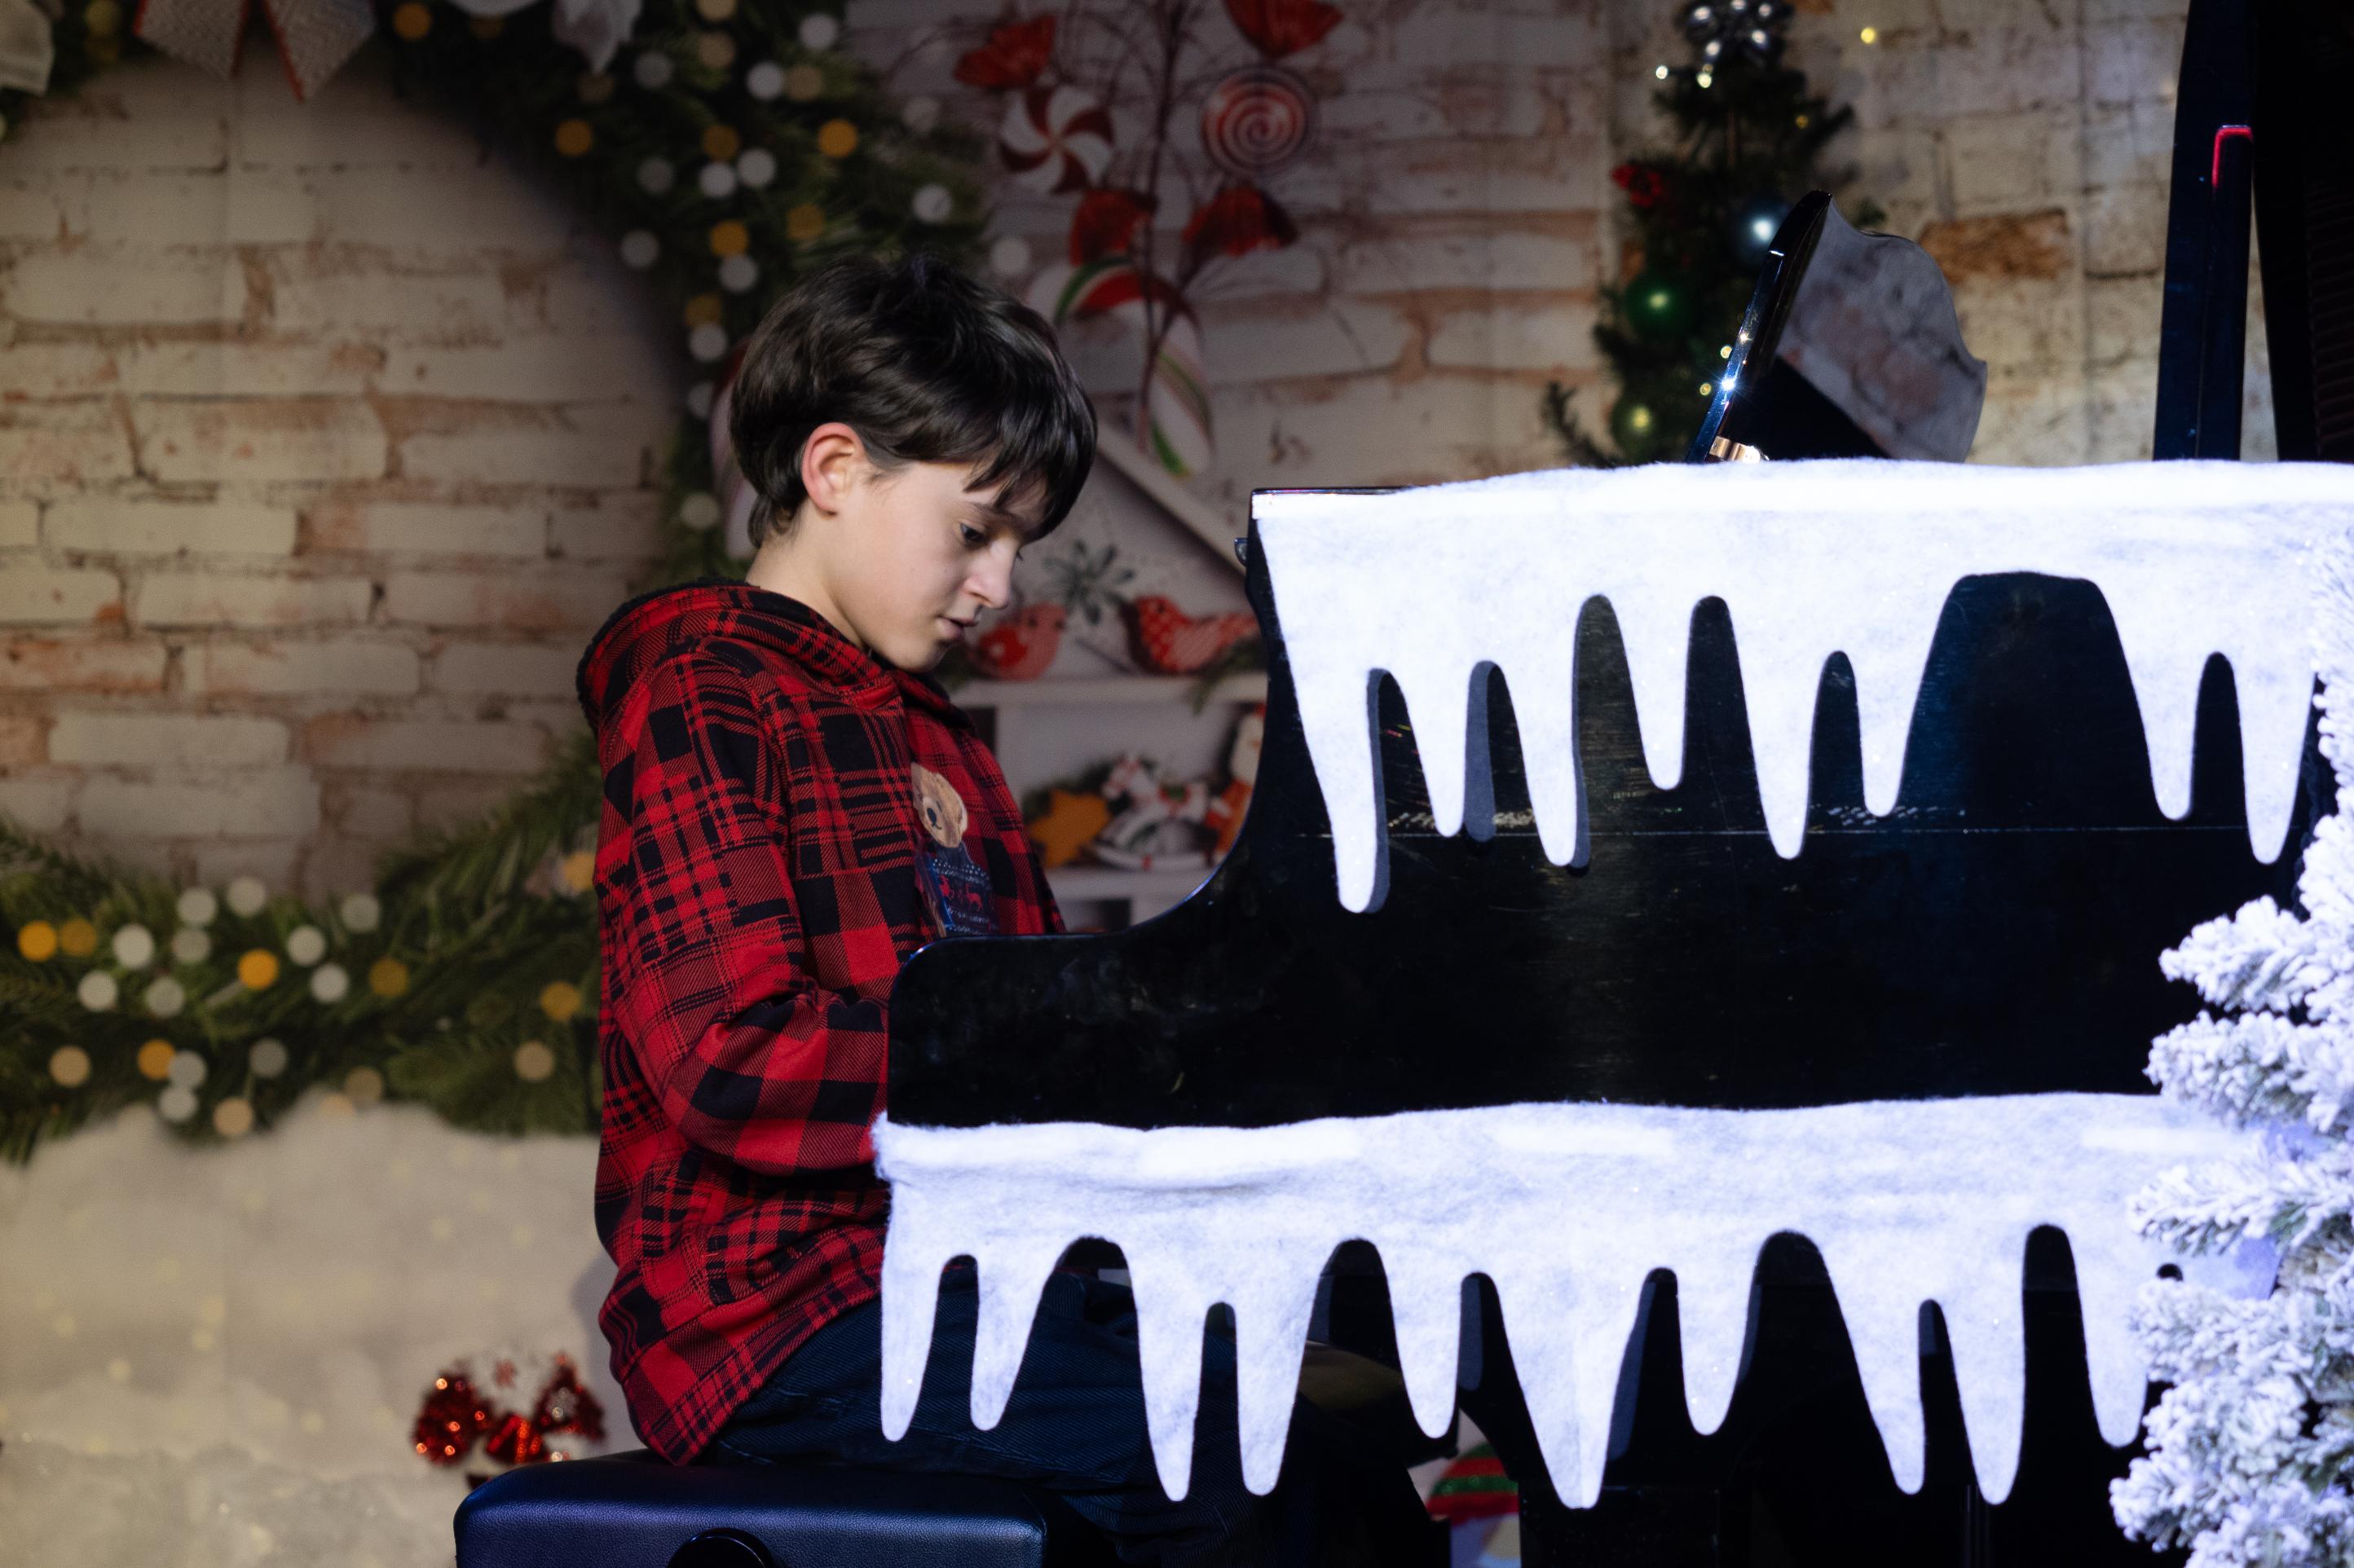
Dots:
(750, 1060)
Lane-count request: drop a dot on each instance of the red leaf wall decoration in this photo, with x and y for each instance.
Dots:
(1015, 56)
(1283, 26)
(1105, 224)
(1238, 221)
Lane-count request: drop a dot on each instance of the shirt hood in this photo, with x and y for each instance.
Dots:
(645, 628)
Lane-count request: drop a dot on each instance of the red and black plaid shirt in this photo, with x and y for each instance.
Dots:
(757, 891)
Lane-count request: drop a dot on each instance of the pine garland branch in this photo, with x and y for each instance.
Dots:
(488, 860)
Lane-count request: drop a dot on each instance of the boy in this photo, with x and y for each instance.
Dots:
(792, 808)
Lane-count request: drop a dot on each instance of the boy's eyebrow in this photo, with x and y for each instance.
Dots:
(1020, 523)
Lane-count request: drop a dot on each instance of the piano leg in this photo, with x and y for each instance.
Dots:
(1796, 1475)
(1669, 1524)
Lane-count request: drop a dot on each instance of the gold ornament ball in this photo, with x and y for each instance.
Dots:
(716, 50)
(78, 938)
(580, 865)
(387, 977)
(155, 1060)
(364, 1085)
(804, 83)
(728, 237)
(559, 999)
(806, 221)
(70, 1066)
(36, 941)
(534, 1062)
(412, 21)
(706, 310)
(102, 18)
(574, 138)
(837, 138)
(721, 143)
(233, 1117)
(258, 969)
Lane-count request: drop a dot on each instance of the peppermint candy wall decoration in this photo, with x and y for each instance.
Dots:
(1055, 140)
(1130, 172)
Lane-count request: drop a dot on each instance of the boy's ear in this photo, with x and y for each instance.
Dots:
(833, 461)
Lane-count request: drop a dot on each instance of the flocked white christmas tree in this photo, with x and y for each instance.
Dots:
(2252, 1448)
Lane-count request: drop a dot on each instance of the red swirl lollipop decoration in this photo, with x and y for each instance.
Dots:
(1257, 120)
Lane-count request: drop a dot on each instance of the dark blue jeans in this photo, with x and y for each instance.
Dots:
(1075, 1424)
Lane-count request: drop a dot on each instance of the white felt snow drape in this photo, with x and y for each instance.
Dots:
(1567, 1207)
(1811, 558)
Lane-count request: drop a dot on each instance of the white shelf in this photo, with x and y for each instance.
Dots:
(1113, 881)
(1105, 691)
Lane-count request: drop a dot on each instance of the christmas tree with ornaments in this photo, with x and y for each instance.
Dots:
(1701, 215)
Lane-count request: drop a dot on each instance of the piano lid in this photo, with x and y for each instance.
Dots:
(1980, 814)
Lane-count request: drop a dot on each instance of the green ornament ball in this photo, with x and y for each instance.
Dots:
(1659, 307)
(1637, 429)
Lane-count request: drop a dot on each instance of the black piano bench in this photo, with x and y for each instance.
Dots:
(635, 1510)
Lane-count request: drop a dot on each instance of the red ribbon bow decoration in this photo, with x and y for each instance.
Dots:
(314, 36)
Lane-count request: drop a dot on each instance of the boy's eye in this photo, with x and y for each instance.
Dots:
(971, 535)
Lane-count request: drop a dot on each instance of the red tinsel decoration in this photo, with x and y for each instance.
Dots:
(455, 1416)
(451, 1418)
(564, 1405)
(516, 1441)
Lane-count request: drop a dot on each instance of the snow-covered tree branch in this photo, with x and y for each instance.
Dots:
(2252, 1449)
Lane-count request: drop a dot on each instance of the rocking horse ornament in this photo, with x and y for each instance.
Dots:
(1157, 826)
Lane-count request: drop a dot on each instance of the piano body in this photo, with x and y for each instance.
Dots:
(1576, 898)
(1683, 991)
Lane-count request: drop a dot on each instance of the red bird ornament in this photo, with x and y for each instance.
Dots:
(1021, 646)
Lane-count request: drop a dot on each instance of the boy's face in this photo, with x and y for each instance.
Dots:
(901, 561)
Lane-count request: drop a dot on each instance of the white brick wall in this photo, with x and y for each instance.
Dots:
(289, 392)
(324, 443)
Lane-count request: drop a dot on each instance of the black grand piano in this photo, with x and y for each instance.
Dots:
(1997, 935)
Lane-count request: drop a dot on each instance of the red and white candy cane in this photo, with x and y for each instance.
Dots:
(1177, 428)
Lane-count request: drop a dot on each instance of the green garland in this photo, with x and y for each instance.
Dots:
(467, 980)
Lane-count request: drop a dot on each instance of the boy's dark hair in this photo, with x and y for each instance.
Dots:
(927, 365)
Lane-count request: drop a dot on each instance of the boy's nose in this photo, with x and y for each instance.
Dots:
(992, 584)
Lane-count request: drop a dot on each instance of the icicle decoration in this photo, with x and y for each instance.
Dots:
(1574, 1206)
(1811, 558)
